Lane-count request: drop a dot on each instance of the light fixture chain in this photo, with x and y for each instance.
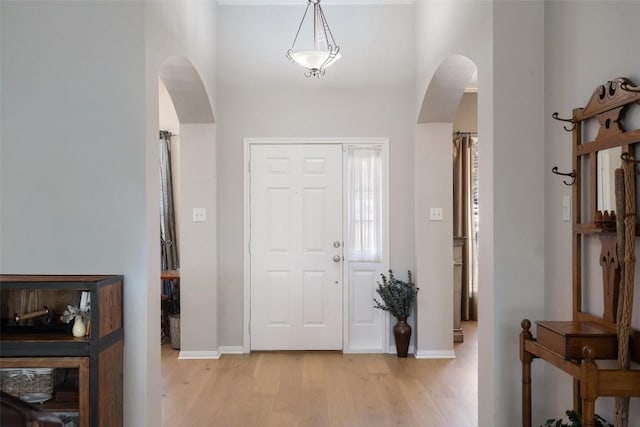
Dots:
(327, 31)
(300, 26)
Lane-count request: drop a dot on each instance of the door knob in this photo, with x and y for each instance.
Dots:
(336, 258)
(336, 244)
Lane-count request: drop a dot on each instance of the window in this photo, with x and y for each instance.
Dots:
(364, 204)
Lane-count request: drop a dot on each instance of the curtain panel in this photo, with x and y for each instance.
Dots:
(364, 203)
(465, 219)
(168, 241)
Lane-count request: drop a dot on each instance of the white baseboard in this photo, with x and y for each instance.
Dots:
(363, 351)
(184, 355)
(435, 354)
(231, 349)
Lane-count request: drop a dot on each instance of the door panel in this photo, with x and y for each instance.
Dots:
(296, 216)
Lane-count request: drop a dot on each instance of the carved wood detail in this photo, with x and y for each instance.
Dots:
(610, 276)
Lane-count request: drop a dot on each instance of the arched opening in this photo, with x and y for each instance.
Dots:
(194, 172)
(438, 302)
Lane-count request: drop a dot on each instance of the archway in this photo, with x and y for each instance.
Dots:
(197, 188)
(434, 189)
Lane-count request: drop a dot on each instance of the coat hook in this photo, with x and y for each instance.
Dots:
(572, 121)
(627, 158)
(626, 85)
(571, 174)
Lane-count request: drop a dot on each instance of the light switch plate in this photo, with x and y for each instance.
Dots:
(199, 214)
(435, 214)
(566, 208)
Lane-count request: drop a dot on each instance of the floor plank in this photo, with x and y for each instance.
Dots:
(322, 389)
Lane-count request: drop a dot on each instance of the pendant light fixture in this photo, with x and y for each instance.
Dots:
(324, 50)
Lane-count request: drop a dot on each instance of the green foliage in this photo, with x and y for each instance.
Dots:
(397, 296)
(575, 419)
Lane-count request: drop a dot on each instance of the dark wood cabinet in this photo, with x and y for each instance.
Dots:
(93, 362)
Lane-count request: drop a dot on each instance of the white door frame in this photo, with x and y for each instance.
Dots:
(247, 142)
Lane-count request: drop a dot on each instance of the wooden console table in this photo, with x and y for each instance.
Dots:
(590, 382)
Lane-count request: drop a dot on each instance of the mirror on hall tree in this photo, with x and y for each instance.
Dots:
(607, 162)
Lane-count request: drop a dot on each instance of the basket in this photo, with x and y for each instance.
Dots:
(19, 382)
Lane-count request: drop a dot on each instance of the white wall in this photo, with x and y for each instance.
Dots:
(178, 29)
(79, 152)
(505, 41)
(198, 334)
(434, 251)
(519, 201)
(443, 29)
(587, 44)
(254, 104)
(73, 178)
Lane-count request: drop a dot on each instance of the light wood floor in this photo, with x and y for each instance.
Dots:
(322, 389)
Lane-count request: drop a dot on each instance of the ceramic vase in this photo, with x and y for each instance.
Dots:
(79, 328)
(402, 333)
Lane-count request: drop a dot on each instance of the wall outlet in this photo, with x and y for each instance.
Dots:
(199, 214)
(435, 214)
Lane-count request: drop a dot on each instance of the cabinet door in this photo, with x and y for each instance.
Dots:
(79, 363)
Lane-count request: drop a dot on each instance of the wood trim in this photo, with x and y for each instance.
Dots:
(34, 278)
(110, 298)
(604, 143)
(110, 366)
(607, 97)
(618, 383)
(572, 368)
(83, 398)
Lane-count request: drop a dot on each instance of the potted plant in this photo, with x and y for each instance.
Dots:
(575, 419)
(398, 298)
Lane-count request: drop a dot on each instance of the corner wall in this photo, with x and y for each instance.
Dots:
(505, 40)
(518, 198)
(199, 263)
(180, 44)
(434, 241)
(443, 29)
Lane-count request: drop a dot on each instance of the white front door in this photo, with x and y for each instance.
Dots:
(296, 247)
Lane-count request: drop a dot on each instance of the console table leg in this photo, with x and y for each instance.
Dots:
(526, 394)
(577, 396)
(526, 358)
(588, 387)
(588, 413)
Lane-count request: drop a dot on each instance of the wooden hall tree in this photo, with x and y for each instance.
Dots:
(574, 346)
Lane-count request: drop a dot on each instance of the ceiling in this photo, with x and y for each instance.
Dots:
(302, 2)
(376, 46)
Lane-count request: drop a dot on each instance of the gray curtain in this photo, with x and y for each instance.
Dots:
(168, 241)
(465, 216)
